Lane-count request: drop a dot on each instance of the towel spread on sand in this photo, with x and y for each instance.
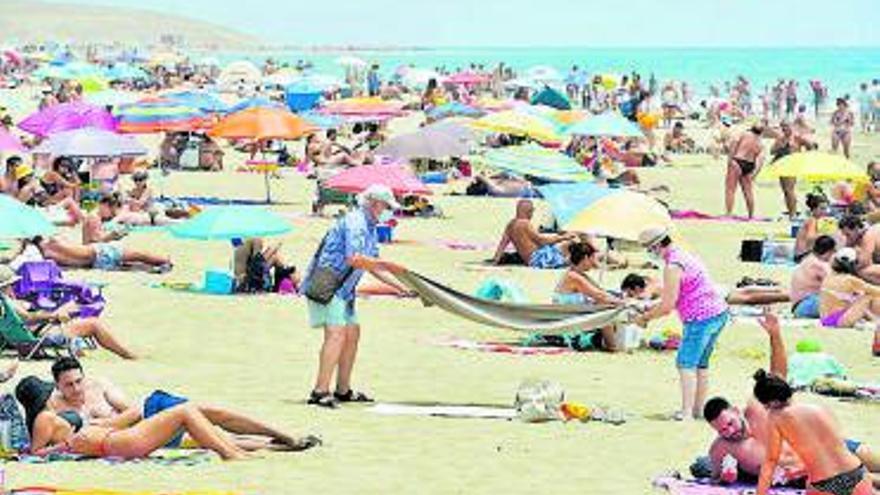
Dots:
(698, 215)
(544, 318)
(162, 457)
(45, 490)
(676, 486)
(503, 347)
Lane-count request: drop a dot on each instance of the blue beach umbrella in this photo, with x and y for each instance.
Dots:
(536, 161)
(19, 221)
(204, 101)
(125, 72)
(607, 125)
(454, 109)
(255, 102)
(232, 222)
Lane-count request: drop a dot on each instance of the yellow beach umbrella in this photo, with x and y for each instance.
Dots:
(569, 117)
(518, 124)
(815, 166)
(615, 213)
(93, 84)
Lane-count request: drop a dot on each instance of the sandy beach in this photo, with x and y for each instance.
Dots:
(257, 354)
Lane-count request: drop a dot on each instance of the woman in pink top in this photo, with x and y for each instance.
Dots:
(703, 311)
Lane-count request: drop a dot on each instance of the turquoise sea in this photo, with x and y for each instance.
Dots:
(841, 68)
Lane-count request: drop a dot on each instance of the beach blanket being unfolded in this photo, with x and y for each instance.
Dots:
(543, 318)
(677, 486)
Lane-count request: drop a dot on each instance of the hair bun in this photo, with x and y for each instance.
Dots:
(760, 375)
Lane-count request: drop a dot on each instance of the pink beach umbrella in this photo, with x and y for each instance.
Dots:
(466, 78)
(395, 176)
(9, 142)
(67, 117)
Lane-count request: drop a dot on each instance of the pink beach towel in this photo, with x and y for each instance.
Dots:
(502, 348)
(684, 487)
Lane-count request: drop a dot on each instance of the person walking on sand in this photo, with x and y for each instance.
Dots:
(842, 121)
(687, 289)
(744, 162)
(349, 248)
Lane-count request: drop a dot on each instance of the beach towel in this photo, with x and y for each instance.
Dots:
(46, 490)
(543, 318)
(677, 486)
(804, 368)
(698, 215)
(502, 347)
(161, 457)
(212, 201)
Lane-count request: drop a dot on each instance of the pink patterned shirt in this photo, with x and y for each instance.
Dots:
(698, 299)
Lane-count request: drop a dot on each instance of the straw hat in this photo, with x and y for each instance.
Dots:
(651, 236)
(7, 276)
(378, 192)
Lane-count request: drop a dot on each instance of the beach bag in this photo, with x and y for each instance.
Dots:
(15, 433)
(539, 401)
(751, 250)
(325, 281)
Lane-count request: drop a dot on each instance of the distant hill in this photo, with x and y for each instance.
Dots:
(32, 20)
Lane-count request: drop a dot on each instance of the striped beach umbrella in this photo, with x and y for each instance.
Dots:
(535, 161)
(519, 124)
(159, 115)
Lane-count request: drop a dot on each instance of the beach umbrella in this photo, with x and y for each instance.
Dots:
(90, 143)
(112, 98)
(351, 61)
(423, 144)
(231, 222)
(518, 124)
(815, 166)
(466, 78)
(396, 177)
(203, 100)
(322, 120)
(73, 70)
(551, 98)
(302, 96)
(453, 126)
(454, 109)
(159, 115)
(606, 125)
(535, 161)
(261, 123)
(125, 72)
(19, 221)
(10, 142)
(255, 102)
(494, 104)
(364, 107)
(92, 84)
(66, 117)
(600, 210)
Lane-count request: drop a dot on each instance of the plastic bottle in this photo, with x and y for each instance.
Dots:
(729, 471)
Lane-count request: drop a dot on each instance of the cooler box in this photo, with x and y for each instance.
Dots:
(219, 282)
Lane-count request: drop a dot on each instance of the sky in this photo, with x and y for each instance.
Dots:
(610, 23)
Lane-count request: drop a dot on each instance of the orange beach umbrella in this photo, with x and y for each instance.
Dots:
(262, 123)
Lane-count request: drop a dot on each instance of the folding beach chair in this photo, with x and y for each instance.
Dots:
(14, 334)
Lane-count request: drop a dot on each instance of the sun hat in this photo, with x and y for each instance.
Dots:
(23, 171)
(651, 236)
(33, 393)
(378, 192)
(7, 276)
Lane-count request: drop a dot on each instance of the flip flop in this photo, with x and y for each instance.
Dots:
(323, 399)
(352, 396)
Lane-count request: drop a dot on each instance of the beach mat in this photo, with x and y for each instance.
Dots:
(677, 486)
(161, 457)
(543, 318)
(444, 411)
(214, 201)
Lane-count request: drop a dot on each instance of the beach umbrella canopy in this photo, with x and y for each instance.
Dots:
(364, 106)
(112, 98)
(203, 100)
(10, 142)
(262, 123)
(815, 166)
(254, 102)
(90, 142)
(322, 120)
(231, 222)
(125, 72)
(423, 144)
(159, 115)
(551, 98)
(600, 210)
(536, 161)
(66, 117)
(92, 84)
(396, 177)
(518, 124)
(466, 78)
(19, 221)
(607, 124)
(454, 109)
(455, 127)
(72, 70)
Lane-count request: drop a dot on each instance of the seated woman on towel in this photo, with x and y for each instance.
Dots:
(576, 287)
(845, 299)
(818, 223)
(258, 267)
(138, 205)
(62, 210)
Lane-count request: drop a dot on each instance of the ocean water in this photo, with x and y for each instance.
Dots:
(842, 69)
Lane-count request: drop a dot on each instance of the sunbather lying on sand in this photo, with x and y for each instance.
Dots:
(99, 402)
(636, 286)
(102, 256)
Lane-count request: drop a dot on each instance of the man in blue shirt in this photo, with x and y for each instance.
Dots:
(350, 248)
(373, 83)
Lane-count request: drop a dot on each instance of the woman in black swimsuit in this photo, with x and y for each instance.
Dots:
(741, 169)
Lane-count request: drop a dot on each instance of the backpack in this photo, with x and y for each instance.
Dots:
(10, 414)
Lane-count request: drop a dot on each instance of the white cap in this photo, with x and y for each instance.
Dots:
(846, 255)
(653, 235)
(379, 192)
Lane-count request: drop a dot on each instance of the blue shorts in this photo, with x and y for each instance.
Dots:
(807, 307)
(160, 401)
(337, 313)
(108, 256)
(547, 257)
(698, 341)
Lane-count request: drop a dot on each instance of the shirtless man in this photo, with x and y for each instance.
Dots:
(93, 231)
(807, 278)
(744, 163)
(812, 433)
(743, 434)
(533, 248)
(100, 403)
(866, 241)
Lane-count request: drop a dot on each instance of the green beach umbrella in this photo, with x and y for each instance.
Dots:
(232, 222)
(19, 221)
